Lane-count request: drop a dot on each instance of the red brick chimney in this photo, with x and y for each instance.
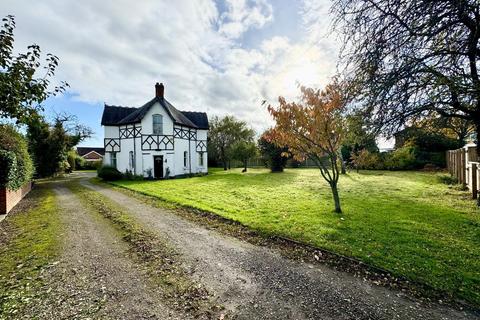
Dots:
(159, 90)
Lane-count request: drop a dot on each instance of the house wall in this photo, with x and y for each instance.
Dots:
(203, 136)
(111, 132)
(147, 122)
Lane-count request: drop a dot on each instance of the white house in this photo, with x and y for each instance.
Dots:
(155, 140)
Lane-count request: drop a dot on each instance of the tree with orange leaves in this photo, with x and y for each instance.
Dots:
(313, 128)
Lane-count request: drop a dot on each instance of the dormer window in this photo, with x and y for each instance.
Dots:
(157, 124)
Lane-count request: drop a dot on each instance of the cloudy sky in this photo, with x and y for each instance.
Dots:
(222, 57)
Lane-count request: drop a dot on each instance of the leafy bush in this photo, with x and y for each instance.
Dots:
(365, 159)
(108, 173)
(273, 155)
(82, 164)
(403, 158)
(16, 167)
(129, 175)
(92, 165)
(72, 160)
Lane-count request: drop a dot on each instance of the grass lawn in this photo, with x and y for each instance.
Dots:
(406, 222)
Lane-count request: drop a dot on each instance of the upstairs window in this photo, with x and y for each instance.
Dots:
(157, 124)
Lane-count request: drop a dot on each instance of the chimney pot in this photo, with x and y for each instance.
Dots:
(159, 90)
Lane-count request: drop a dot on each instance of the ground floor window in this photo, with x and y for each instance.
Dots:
(131, 160)
(185, 156)
(200, 159)
(113, 159)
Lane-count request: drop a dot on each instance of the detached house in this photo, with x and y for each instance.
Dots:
(155, 140)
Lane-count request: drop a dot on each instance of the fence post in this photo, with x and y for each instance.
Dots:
(447, 159)
(463, 167)
(452, 167)
(474, 181)
(459, 164)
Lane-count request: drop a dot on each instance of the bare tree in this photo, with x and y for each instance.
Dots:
(412, 58)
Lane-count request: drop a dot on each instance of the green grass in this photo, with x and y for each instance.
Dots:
(406, 222)
(30, 242)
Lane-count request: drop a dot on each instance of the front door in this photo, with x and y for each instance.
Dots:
(158, 167)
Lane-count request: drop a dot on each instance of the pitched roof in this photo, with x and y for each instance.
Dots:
(200, 119)
(84, 150)
(113, 115)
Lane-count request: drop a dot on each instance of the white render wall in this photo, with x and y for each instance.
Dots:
(173, 159)
(147, 120)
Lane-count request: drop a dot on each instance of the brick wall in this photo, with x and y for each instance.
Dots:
(8, 198)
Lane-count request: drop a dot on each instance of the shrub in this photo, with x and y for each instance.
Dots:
(129, 175)
(82, 164)
(365, 159)
(273, 155)
(92, 165)
(403, 158)
(108, 173)
(16, 167)
(71, 158)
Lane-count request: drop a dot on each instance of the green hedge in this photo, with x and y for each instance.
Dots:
(108, 173)
(16, 166)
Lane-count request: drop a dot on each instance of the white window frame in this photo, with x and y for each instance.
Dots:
(157, 127)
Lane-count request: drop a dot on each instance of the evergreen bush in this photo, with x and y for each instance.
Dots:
(16, 166)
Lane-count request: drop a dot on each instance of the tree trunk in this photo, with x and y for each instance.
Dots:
(245, 166)
(342, 164)
(336, 198)
(224, 160)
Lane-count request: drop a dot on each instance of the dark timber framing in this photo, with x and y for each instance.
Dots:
(184, 133)
(201, 146)
(157, 142)
(112, 144)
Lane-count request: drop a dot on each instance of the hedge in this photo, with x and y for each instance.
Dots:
(16, 166)
(108, 173)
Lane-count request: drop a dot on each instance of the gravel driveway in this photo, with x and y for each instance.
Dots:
(95, 278)
(258, 283)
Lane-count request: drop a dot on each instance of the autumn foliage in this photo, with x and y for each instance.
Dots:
(313, 128)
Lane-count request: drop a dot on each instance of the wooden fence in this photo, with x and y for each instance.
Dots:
(464, 166)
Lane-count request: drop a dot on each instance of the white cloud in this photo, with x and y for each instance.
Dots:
(114, 52)
(242, 15)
